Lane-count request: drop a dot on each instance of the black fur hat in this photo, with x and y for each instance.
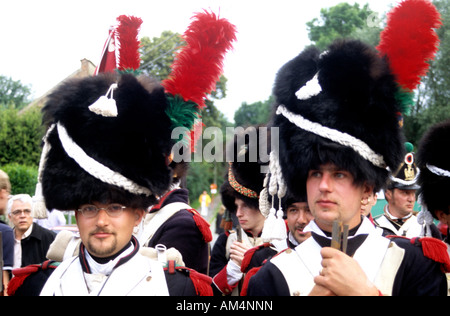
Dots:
(245, 176)
(434, 165)
(135, 144)
(109, 136)
(349, 92)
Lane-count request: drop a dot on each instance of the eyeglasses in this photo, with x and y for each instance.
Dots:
(25, 212)
(91, 211)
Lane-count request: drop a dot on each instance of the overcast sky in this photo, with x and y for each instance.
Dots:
(43, 41)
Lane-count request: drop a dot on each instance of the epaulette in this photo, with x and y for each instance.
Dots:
(201, 282)
(202, 225)
(21, 274)
(435, 250)
(432, 248)
(248, 256)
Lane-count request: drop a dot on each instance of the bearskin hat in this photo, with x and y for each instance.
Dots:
(134, 144)
(245, 176)
(349, 89)
(109, 136)
(434, 165)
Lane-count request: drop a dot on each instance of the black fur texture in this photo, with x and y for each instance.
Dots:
(246, 168)
(433, 150)
(357, 98)
(135, 143)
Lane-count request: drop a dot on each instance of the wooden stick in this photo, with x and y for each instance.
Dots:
(336, 235)
(344, 238)
(339, 236)
(239, 233)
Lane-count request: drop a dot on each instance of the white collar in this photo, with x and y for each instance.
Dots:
(365, 228)
(292, 239)
(393, 217)
(107, 268)
(27, 233)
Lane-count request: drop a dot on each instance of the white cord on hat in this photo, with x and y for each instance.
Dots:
(438, 171)
(334, 135)
(96, 169)
(274, 225)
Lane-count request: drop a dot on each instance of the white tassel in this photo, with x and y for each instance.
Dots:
(425, 219)
(105, 106)
(39, 208)
(269, 225)
(279, 231)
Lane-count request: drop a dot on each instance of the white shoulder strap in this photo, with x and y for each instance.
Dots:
(153, 221)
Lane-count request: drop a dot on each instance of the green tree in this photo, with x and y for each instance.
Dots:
(341, 20)
(158, 53)
(20, 136)
(13, 93)
(257, 113)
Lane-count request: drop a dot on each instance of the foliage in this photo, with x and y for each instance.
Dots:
(339, 21)
(13, 93)
(158, 54)
(20, 136)
(23, 178)
(257, 113)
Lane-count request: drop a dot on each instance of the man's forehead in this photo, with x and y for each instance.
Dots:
(19, 204)
(330, 167)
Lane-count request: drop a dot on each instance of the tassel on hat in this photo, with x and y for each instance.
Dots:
(274, 226)
(105, 106)
(39, 207)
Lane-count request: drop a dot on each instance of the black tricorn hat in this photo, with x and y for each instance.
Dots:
(133, 146)
(434, 165)
(338, 107)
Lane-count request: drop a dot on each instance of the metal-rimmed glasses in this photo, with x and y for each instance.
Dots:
(91, 211)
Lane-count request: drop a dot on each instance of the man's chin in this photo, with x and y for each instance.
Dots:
(102, 250)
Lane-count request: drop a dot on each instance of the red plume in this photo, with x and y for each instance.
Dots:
(127, 35)
(198, 65)
(409, 40)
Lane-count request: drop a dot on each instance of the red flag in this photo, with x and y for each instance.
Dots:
(108, 62)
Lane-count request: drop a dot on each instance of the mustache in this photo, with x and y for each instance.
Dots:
(102, 231)
(300, 227)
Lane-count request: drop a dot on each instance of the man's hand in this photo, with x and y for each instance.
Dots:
(237, 251)
(342, 275)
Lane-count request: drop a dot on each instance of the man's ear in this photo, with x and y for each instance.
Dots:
(139, 214)
(367, 191)
(388, 194)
